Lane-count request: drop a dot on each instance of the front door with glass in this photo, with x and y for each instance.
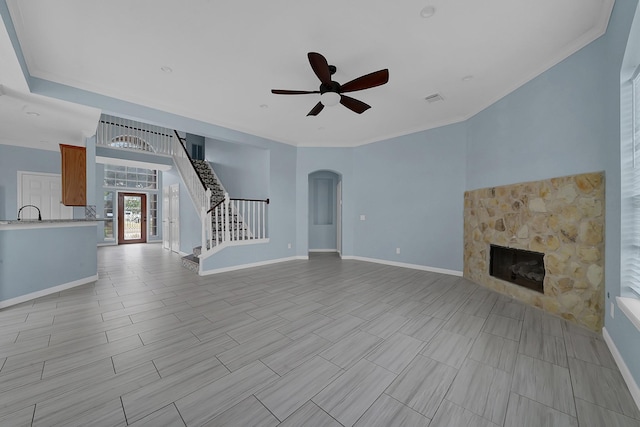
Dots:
(132, 218)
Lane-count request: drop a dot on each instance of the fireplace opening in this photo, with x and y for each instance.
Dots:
(524, 268)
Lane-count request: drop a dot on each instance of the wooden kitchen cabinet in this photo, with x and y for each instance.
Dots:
(74, 175)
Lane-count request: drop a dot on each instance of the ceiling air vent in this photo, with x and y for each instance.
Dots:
(434, 98)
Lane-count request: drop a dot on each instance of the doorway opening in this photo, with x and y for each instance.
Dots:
(325, 212)
(171, 218)
(132, 218)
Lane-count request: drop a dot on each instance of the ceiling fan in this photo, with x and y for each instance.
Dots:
(332, 92)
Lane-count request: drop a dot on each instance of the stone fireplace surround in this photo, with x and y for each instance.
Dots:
(560, 217)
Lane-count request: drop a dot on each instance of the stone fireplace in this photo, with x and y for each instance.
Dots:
(559, 219)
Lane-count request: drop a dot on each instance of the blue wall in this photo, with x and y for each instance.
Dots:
(555, 125)
(410, 190)
(242, 169)
(33, 260)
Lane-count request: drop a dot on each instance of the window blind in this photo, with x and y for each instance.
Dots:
(631, 195)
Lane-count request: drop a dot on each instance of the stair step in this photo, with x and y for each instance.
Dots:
(191, 262)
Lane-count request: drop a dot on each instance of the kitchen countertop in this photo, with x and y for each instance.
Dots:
(48, 221)
(14, 224)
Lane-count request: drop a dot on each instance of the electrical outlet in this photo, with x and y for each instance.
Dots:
(397, 250)
(613, 308)
(289, 246)
(362, 218)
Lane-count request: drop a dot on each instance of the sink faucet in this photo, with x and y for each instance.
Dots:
(33, 206)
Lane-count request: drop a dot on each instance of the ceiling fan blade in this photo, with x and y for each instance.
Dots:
(315, 110)
(320, 66)
(293, 92)
(353, 104)
(374, 79)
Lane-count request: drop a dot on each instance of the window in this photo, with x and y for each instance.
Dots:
(197, 152)
(108, 215)
(129, 177)
(630, 168)
(153, 215)
(132, 142)
(629, 299)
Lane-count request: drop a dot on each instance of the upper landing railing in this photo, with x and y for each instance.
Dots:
(116, 132)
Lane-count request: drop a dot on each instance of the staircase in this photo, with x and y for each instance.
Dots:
(210, 180)
(239, 229)
(227, 221)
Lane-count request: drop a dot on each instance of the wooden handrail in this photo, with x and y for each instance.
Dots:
(216, 205)
(138, 129)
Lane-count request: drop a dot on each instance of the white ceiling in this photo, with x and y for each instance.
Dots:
(37, 121)
(226, 56)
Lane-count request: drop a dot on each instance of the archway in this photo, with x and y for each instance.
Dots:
(325, 212)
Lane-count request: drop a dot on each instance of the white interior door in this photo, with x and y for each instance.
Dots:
(174, 217)
(166, 212)
(43, 190)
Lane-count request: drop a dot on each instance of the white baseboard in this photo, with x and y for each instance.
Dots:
(218, 248)
(243, 266)
(48, 291)
(302, 257)
(406, 265)
(324, 250)
(624, 370)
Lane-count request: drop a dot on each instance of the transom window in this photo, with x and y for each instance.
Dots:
(130, 177)
(131, 141)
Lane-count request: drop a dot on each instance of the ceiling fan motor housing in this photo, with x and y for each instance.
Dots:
(331, 87)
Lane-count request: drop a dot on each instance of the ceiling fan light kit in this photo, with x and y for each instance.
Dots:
(330, 99)
(331, 92)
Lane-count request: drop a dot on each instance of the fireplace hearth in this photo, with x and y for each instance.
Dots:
(524, 268)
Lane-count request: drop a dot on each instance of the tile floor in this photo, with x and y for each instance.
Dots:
(322, 342)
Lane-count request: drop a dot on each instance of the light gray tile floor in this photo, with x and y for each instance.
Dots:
(322, 342)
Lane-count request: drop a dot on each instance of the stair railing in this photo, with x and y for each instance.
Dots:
(118, 133)
(253, 213)
(236, 221)
(198, 191)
